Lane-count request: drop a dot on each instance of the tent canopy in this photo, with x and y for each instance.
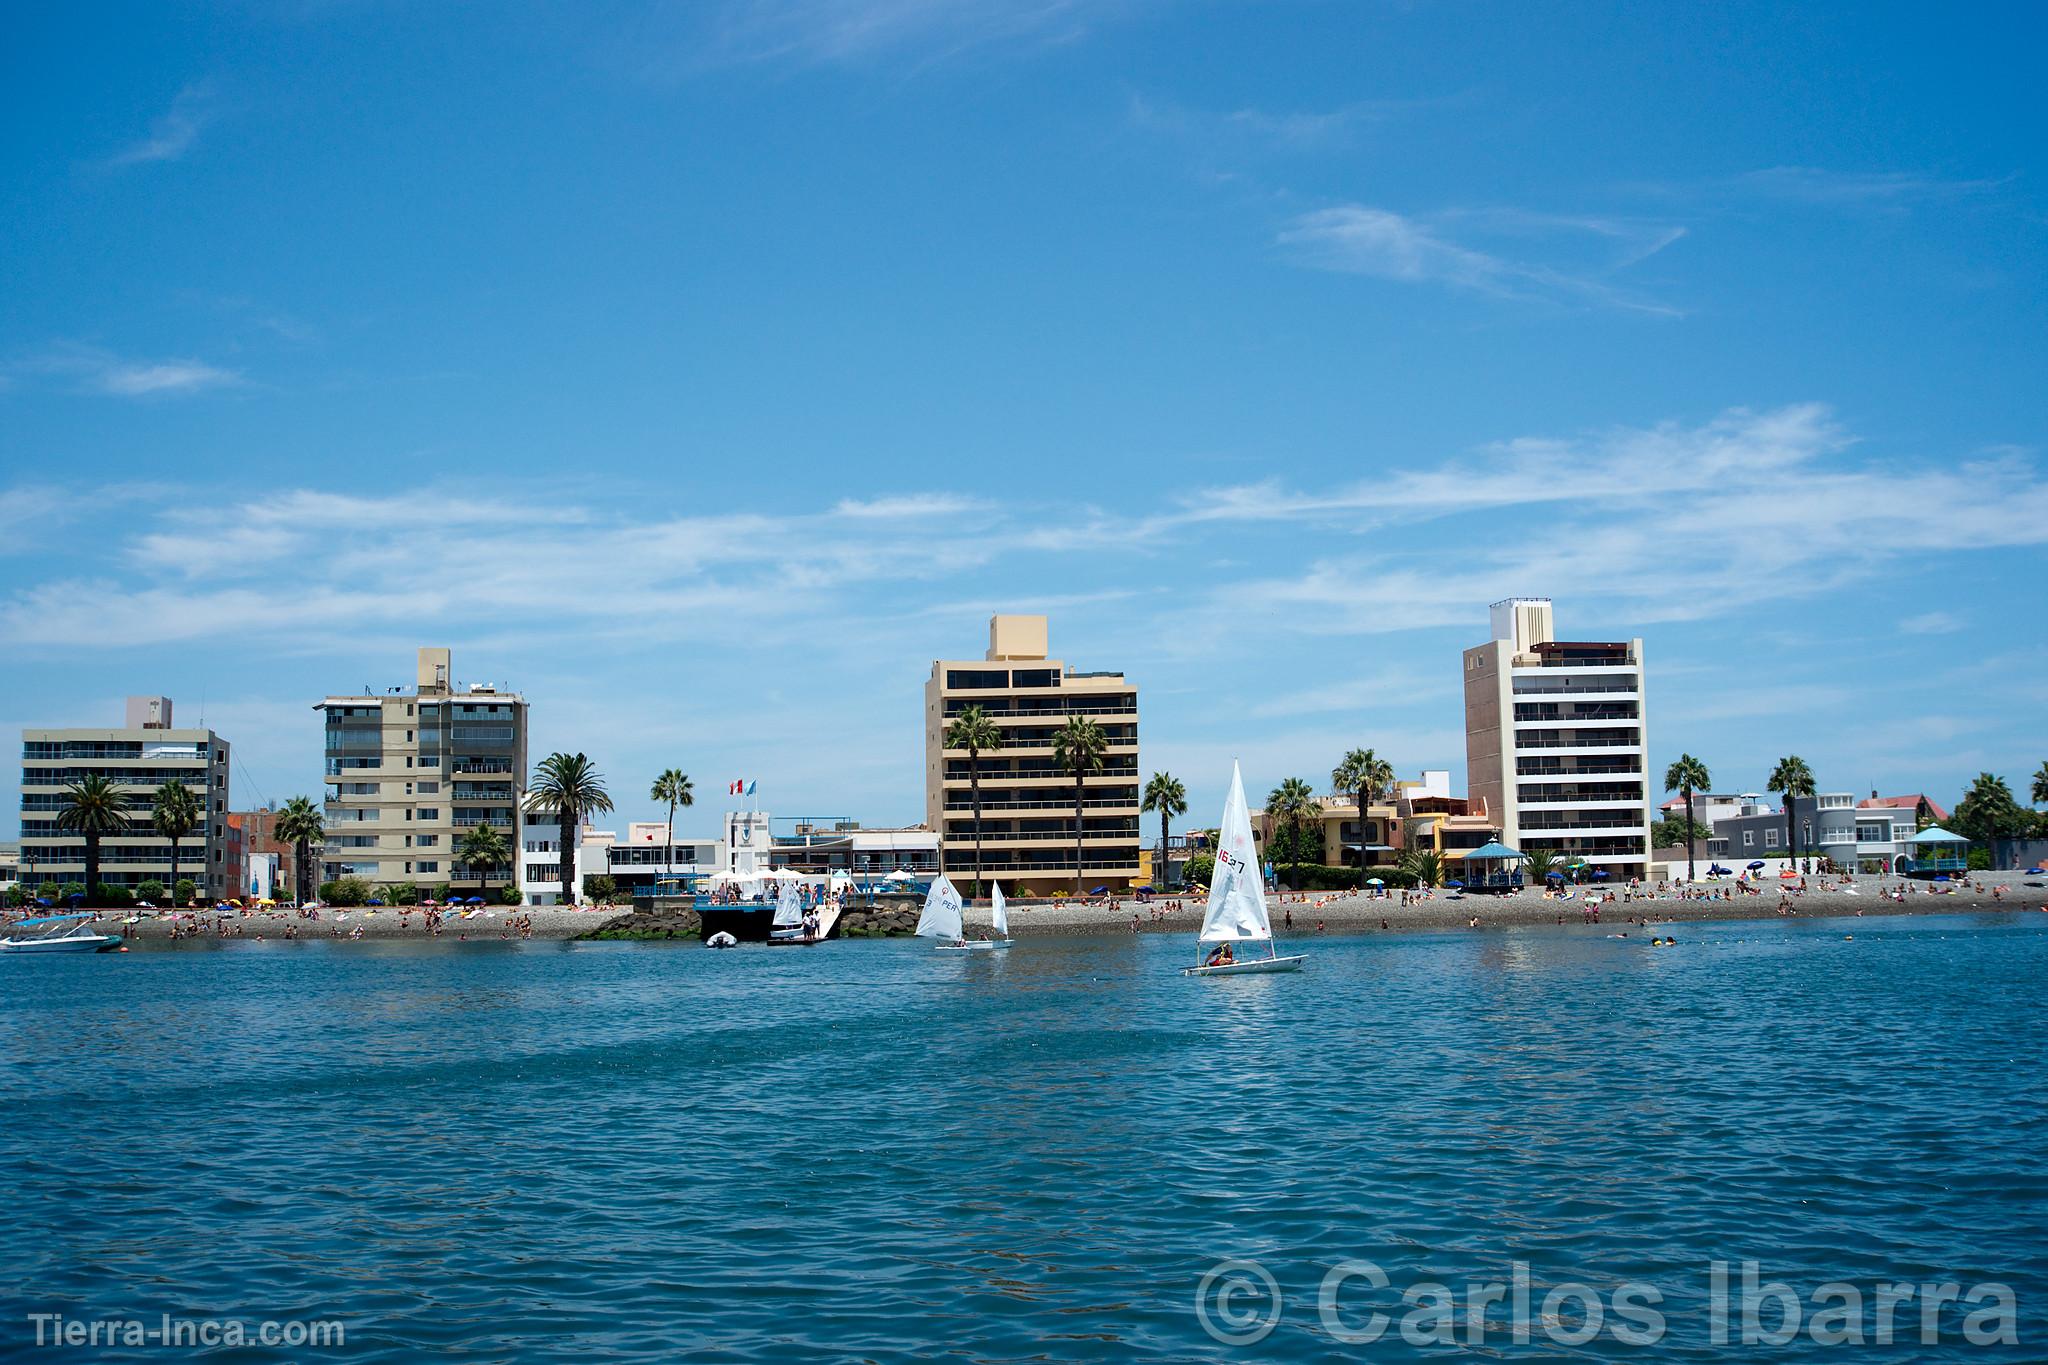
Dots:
(1495, 849)
(1937, 835)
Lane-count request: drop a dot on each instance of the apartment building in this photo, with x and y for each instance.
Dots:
(410, 771)
(1556, 742)
(145, 752)
(1027, 829)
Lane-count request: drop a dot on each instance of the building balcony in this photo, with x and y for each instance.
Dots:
(1568, 745)
(1593, 689)
(957, 839)
(960, 781)
(1536, 826)
(1570, 803)
(988, 808)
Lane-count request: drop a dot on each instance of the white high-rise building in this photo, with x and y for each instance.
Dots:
(1556, 742)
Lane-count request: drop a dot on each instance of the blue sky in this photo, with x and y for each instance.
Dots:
(707, 370)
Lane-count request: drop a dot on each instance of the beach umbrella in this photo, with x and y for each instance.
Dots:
(1460, 885)
(1553, 876)
(1756, 865)
(376, 902)
(1098, 890)
(1374, 881)
(1599, 872)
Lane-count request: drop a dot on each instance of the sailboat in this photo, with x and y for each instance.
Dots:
(940, 918)
(788, 926)
(998, 917)
(1237, 899)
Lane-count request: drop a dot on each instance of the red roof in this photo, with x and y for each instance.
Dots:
(1905, 803)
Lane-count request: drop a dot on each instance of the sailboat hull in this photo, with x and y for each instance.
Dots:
(1255, 966)
(974, 945)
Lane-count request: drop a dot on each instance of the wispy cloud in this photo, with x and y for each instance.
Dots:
(173, 134)
(852, 32)
(1302, 130)
(97, 370)
(1362, 240)
(1931, 623)
(1817, 185)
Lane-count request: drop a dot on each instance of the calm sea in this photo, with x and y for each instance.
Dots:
(869, 1150)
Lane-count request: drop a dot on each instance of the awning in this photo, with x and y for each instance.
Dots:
(1937, 835)
(1496, 849)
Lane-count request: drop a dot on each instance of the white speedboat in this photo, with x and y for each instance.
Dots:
(721, 940)
(1236, 913)
(56, 937)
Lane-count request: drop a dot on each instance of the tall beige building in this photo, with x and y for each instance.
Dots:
(411, 771)
(1027, 801)
(1556, 743)
(140, 757)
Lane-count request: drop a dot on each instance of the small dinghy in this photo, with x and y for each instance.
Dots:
(721, 939)
(790, 928)
(1237, 901)
(940, 919)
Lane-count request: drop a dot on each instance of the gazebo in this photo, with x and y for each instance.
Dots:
(1937, 851)
(1495, 867)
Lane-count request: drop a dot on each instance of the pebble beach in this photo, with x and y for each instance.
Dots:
(1311, 913)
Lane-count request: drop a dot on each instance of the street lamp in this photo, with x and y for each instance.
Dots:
(1806, 864)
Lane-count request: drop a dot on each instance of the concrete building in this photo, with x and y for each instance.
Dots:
(147, 751)
(1556, 740)
(410, 771)
(1854, 836)
(819, 847)
(260, 843)
(1027, 800)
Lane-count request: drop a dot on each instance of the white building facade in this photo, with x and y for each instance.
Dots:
(1557, 740)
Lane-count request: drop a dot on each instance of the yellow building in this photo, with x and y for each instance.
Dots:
(1027, 800)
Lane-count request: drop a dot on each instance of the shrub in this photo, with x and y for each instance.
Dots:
(1323, 877)
(405, 893)
(70, 889)
(347, 891)
(151, 891)
(599, 888)
(439, 893)
(510, 895)
(111, 897)
(186, 889)
(1198, 869)
(17, 896)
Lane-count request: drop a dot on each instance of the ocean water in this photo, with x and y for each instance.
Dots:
(868, 1150)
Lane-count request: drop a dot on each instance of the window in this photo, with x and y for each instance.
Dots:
(429, 867)
(1748, 838)
(430, 788)
(427, 840)
(1770, 838)
(976, 677)
(430, 812)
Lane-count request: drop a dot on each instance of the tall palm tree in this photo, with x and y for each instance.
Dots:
(674, 788)
(1687, 775)
(1793, 778)
(571, 787)
(299, 824)
(1165, 794)
(173, 814)
(1364, 777)
(1426, 865)
(1291, 806)
(973, 731)
(1077, 747)
(1538, 867)
(483, 849)
(93, 806)
(2041, 785)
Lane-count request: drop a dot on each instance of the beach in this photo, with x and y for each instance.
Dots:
(1311, 912)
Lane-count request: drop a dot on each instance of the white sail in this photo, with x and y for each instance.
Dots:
(999, 914)
(1237, 894)
(789, 911)
(941, 917)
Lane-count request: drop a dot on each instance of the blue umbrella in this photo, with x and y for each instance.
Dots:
(1599, 872)
(1757, 864)
(41, 901)
(1454, 883)
(1717, 871)
(1553, 876)
(375, 901)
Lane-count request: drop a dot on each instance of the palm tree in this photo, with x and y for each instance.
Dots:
(973, 731)
(1077, 747)
(1793, 778)
(483, 849)
(1165, 794)
(93, 806)
(2041, 785)
(1539, 865)
(1687, 775)
(674, 788)
(1426, 865)
(1364, 777)
(570, 786)
(174, 813)
(1291, 806)
(299, 824)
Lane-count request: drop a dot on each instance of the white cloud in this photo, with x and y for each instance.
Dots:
(1892, 189)
(174, 134)
(1361, 240)
(856, 32)
(169, 376)
(1931, 623)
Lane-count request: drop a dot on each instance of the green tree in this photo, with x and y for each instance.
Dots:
(299, 824)
(1292, 807)
(483, 850)
(1164, 794)
(569, 786)
(1675, 830)
(184, 891)
(1988, 811)
(2041, 785)
(600, 889)
(174, 814)
(1792, 778)
(1364, 777)
(1425, 865)
(93, 806)
(1687, 776)
(1538, 866)
(975, 732)
(150, 890)
(1078, 747)
(672, 787)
